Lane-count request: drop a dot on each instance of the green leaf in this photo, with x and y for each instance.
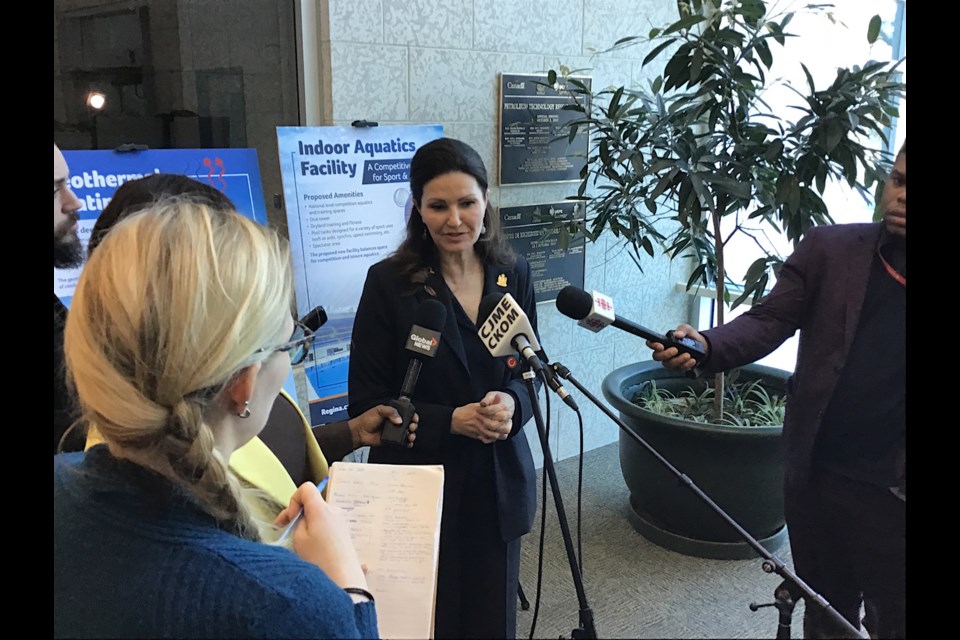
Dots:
(821, 178)
(684, 23)
(873, 30)
(878, 199)
(614, 103)
(764, 52)
(657, 83)
(551, 77)
(752, 11)
(696, 64)
(773, 150)
(777, 32)
(605, 153)
(664, 182)
(653, 33)
(647, 245)
(656, 51)
(806, 72)
(832, 136)
(698, 275)
(783, 190)
(793, 195)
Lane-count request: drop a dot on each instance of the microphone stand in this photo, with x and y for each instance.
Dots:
(586, 628)
(784, 600)
(771, 564)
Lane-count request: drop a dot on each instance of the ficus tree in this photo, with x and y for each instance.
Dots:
(702, 148)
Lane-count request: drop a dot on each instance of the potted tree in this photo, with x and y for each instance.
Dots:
(688, 165)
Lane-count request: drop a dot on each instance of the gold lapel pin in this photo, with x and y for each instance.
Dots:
(502, 280)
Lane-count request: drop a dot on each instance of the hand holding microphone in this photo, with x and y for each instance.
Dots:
(423, 342)
(367, 428)
(595, 312)
(673, 358)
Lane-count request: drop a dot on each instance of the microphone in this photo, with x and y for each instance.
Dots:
(506, 329)
(315, 319)
(423, 343)
(595, 312)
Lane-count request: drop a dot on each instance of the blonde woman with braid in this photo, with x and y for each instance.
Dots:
(288, 451)
(178, 340)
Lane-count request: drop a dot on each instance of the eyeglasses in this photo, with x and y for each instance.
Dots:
(298, 345)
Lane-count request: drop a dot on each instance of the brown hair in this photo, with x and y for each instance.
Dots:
(436, 158)
(140, 193)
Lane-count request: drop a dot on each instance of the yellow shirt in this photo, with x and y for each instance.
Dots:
(258, 467)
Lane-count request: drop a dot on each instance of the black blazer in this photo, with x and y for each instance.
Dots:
(378, 363)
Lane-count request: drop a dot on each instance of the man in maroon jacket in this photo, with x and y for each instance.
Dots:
(844, 435)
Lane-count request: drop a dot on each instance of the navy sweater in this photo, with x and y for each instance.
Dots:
(132, 557)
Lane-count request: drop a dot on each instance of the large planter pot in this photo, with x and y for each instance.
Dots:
(739, 468)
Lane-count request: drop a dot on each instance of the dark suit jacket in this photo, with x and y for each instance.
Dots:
(378, 363)
(820, 291)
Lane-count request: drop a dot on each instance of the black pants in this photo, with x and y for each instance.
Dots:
(479, 573)
(848, 540)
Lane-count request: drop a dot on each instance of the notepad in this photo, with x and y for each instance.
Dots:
(393, 512)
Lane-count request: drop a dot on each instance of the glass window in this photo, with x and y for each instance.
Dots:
(178, 74)
(823, 46)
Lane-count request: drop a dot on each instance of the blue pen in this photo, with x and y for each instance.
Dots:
(293, 523)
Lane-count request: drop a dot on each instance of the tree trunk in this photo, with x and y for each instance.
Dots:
(719, 307)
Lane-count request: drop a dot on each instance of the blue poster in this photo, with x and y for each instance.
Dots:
(95, 176)
(347, 195)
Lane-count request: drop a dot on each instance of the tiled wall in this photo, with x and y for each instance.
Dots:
(438, 61)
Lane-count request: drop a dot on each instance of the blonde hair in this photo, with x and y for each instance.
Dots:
(176, 301)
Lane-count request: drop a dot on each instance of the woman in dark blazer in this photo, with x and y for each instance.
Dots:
(472, 406)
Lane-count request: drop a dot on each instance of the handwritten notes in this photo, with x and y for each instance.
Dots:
(394, 516)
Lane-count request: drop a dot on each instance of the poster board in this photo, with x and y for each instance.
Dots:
(96, 175)
(347, 198)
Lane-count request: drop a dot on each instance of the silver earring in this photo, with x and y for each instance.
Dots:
(246, 410)
(483, 229)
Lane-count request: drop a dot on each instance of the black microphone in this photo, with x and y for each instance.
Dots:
(423, 342)
(315, 319)
(595, 312)
(505, 329)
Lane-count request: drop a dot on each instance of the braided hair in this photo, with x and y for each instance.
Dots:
(176, 301)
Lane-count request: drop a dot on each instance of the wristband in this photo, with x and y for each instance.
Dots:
(360, 592)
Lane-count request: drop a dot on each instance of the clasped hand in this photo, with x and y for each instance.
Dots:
(489, 420)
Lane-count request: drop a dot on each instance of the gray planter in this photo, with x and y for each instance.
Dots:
(739, 468)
